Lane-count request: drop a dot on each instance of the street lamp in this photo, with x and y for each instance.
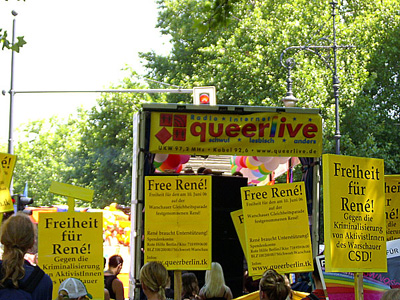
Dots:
(11, 120)
(290, 63)
(289, 100)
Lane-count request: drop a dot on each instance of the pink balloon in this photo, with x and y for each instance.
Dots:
(184, 158)
(239, 161)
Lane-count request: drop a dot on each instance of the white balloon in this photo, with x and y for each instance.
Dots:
(246, 172)
(160, 157)
(282, 160)
(254, 162)
(272, 165)
(264, 159)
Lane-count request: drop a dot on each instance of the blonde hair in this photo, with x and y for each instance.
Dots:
(214, 280)
(393, 294)
(273, 284)
(155, 276)
(17, 236)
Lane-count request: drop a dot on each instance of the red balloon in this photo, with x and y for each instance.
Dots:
(172, 162)
(179, 169)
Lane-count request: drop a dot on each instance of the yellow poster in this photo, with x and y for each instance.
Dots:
(6, 203)
(238, 222)
(71, 245)
(256, 134)
(7, 162)
(354, 214)
(392, 192)
(178, 221)
(276, 228)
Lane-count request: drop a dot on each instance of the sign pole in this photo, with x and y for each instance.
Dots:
(358, 286)
(177, 284)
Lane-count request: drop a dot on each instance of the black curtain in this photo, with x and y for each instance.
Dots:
(307, 168)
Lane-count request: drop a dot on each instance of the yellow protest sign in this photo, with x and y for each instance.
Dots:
(354, 214)
(392, 192)
(6, 203)
(178, 221)
(238, 222)
(276, 228)
(71, 245)
(257, 134)
(7, 162)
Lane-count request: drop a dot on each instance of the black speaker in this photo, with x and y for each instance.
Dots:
(226, 248)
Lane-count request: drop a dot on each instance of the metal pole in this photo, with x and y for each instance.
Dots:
(11, 120)
(11, 124)
(335, 81)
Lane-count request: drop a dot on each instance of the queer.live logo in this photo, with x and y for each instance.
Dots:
(173, 125)
(212, 133)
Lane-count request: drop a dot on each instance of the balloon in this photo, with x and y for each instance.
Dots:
(241, 161)
(172, 162)
(264, 159)
(263, 170)
(246, 172)
(179, 169)
(237, 160)
(160, 157)
(283, 160)
(256, 173)
(253, 161)
(265, 177)
(272, 165)
(185, 159)
(250, 165)
(233, 169)
(157, 164)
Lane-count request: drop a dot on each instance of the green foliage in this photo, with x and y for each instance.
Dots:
(6, 44)
(236, 46)
(103, 159)
(41, 157)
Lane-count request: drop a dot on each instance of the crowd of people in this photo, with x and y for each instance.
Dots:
(19, 279)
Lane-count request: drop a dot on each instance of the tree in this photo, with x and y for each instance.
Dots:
(41, 156)
(103, 160)
(9, 45)
(236, 46)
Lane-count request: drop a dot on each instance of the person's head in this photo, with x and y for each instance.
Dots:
(188, 170)
(115, 263)
(154, 278)
(201, 170)
(73, 288)
(393, 294)
(273, 286)
(17, 237)
(190, 285)
(214, 279)
(207, 171)
(239, 174)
